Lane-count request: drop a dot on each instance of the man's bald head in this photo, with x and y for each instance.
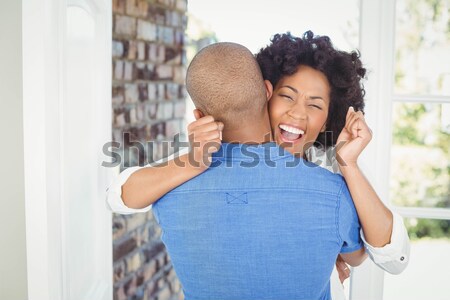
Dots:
(225, 81)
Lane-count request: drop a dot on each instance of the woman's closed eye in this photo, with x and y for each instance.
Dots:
(286, 96)
(316, 106)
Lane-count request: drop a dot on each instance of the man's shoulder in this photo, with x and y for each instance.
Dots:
(322, 179)
(288, 175)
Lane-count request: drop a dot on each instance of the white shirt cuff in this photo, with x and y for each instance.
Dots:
(114, 192)
(393, 257)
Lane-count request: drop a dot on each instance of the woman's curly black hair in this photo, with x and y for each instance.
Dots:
(343, 70)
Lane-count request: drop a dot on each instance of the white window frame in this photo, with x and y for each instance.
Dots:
(377, 44)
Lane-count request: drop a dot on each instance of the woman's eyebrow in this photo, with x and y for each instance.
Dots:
(291, 88)
(296, 91)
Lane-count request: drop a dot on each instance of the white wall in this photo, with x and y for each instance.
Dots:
(13, 271)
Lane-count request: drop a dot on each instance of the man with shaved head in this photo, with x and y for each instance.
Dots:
(225, 81)
(245, 227)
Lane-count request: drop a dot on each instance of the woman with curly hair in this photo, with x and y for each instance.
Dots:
(341, 73)
(316, 109)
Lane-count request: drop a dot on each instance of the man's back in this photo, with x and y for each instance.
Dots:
(258, 224)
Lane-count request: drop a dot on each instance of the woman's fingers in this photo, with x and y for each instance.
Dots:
(197, 114)
(212, 126)
(343, 270)
(208, 136)
(349, 116)
(204, 124)
(200, 122)
(359, 127)
(207, 132)
(205, 136)
(355, 123)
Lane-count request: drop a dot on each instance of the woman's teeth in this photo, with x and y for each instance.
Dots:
(292, 129)
(291, 133)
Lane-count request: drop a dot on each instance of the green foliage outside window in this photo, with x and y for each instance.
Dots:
(420, 160)
(421, 165)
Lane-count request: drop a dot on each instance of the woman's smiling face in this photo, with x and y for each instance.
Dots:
(298, 109)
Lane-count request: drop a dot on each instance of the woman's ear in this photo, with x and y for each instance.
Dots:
(269, 89)
(324, 127)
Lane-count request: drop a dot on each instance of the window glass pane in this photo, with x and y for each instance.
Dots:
(420, 157)
(252, 22)
(422, 47)
(427, 274)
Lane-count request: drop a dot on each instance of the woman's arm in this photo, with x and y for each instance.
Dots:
(114, 192)
(140, 187)
(355, 258)
(383, 232)
(148, 184)
(376, 219)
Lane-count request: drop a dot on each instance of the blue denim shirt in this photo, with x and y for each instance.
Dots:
(258, 224)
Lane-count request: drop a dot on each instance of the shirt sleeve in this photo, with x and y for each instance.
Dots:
(114, 199)
(393, 257)
(348, 222)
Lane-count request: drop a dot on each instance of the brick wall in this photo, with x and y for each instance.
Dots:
(148, 99)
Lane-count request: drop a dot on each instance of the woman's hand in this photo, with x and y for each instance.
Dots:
(342, 268)
(353, 138)
(205, 137)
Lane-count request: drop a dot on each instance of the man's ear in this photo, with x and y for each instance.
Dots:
(269, 89)
(198, 114)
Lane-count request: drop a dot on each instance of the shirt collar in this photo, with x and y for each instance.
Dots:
(251, 152)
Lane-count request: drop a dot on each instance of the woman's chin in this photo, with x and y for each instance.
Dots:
(295, 149)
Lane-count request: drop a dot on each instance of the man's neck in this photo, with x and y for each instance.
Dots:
(254, 133)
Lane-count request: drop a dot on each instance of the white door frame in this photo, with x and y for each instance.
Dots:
(44, 48)
(376, 36)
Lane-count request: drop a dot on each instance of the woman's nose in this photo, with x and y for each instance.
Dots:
(297, 112)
